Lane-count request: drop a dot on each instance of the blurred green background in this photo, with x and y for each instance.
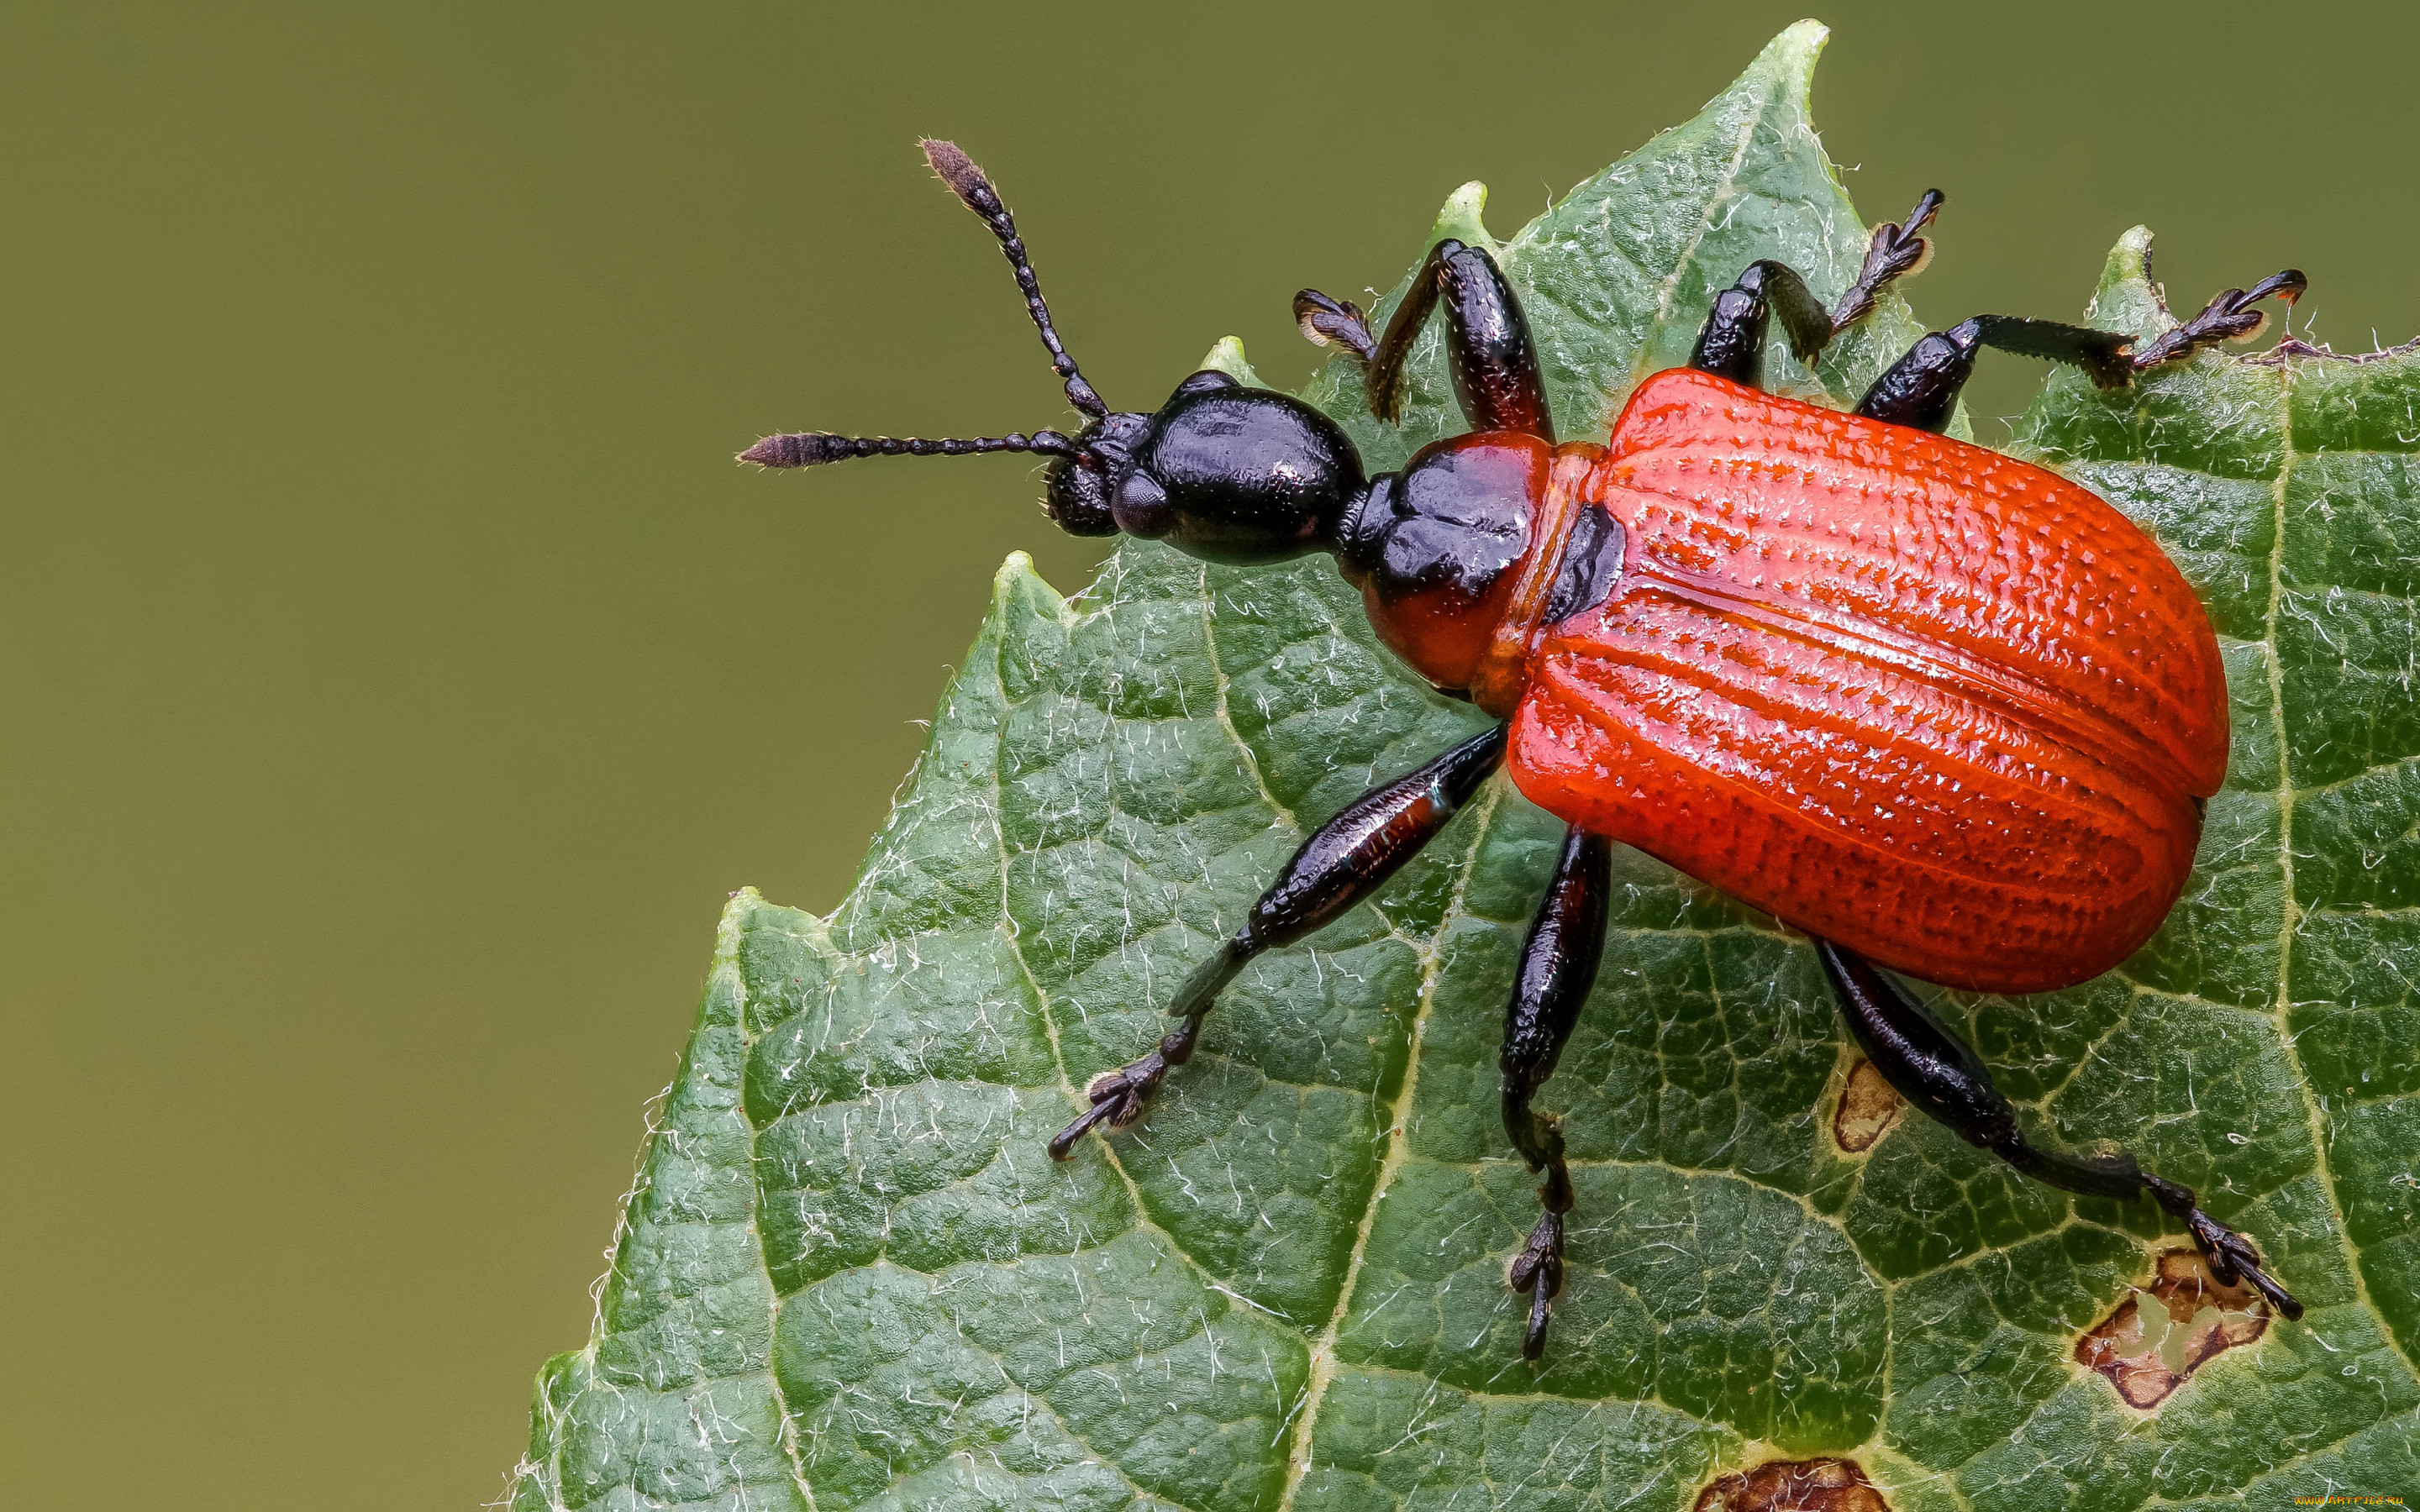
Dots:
(399, 672)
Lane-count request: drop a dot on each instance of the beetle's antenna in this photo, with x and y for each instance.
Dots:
(959, 172)
(804, 449)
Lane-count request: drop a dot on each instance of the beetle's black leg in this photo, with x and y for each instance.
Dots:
(1932, 1069)
(1921, 388)
(2228, 317)
(1341, 322)
(1893, 251)
(1345, 861)
(1487, 345)
(1557, 967)
(1731, 342)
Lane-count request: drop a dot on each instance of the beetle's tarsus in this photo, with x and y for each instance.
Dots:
(1124, 1090)
(2232, 1258)
(1062, 1144)
(1323, 320)
(2229, 316)
(1896, 251)
(1119, 1096)
(1537, 1269)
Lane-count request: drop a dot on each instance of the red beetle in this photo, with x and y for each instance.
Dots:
(1943, 710)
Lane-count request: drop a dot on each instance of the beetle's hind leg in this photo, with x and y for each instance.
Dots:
(2229, 316)
(1731, 342)
(1557, 967)
(1934, 1069)
(1921, 389)
(1344, 861)
(1494, 362)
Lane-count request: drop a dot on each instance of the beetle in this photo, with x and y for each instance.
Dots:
(1943, 711)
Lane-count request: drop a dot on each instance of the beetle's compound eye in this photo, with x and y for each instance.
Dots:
(1140, 505)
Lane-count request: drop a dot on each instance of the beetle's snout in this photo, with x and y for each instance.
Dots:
(1077, 497)
(1081, 485)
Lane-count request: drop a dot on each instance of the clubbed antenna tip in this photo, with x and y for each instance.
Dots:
(959, 172)
(968, 182)
(802, 449)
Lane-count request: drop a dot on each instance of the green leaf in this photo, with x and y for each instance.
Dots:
(849, 1276)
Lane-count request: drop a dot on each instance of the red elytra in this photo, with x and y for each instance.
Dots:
(1937, 705)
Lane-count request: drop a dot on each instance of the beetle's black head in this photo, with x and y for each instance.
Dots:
(1077, 497)
(1235, 474)
(1222, 471)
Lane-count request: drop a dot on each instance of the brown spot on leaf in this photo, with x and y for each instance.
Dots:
(2159, 1335)
(1868, 1107)
(1794, 1486)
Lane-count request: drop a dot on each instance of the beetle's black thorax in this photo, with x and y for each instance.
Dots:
(1436, 549)
(1451, 525)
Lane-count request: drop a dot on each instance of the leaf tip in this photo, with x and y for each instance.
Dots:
(1461, 218)
(743, 903)
(1793, 53)
(2126, 299)
(1779, 84)
(1227, 356)
(2130, 258)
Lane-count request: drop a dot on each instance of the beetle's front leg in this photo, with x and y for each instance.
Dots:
(1345, 861)
(1558, 968)
(1934, 1069)
(1487, 345)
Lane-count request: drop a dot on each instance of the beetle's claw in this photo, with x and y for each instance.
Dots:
(1537, 1269)
(1118, 1096)
(1323, 319)
(2228, 316)
(2233, 1259)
